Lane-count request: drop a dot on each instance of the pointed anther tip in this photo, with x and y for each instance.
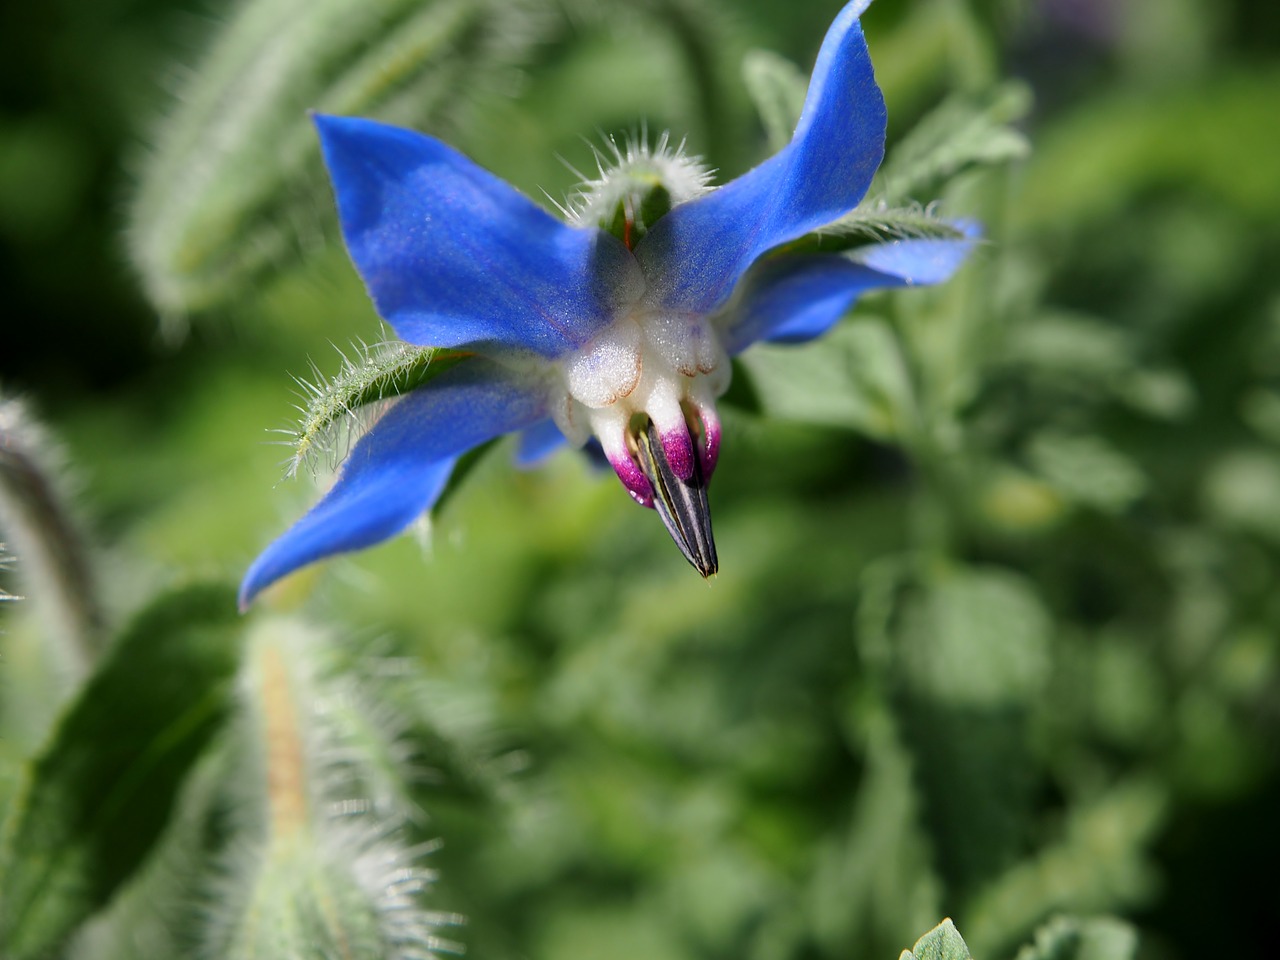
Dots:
(680, 503)
(709, 564)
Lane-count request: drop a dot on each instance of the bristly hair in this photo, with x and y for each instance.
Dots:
(878, 222)
(337, 410)
(622, 169)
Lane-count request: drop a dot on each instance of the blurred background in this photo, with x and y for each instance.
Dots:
(995, 635)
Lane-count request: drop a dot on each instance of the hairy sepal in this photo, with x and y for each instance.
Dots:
(870, 225)
(636, 185)
(337, 409)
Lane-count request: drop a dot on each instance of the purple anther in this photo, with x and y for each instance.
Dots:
(633, 479)
(678, 449)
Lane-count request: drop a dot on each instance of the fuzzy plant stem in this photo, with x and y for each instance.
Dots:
(287, 798)
(48, 550)
(317, 870)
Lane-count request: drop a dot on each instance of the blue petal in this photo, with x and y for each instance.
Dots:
(695, 254)
(797, 297)
(400, 467)
(452, 255)
(538, 442)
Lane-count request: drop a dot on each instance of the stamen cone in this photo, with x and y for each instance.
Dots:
(682, 504)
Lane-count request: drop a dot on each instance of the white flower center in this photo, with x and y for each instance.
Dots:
(644, 362)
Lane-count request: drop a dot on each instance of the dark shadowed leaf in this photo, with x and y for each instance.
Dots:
(98, 796)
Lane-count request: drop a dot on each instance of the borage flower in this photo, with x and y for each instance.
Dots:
(617, 325)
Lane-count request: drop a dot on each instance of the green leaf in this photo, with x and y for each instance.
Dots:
(1087, 470)
(1260, 409)
(1098, 360)
(974, 647)
(1100, 863)
(876, 879)
(98, 796)
(1056, 343)
(1082, 938)
(962, 133)
(943, 942)
(234, 184)
(1091, 164)
(11, 767)
(981, 639)
(777, 87)
(1242, 491)
(854, 377)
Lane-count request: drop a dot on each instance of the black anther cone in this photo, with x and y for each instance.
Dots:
(682, 504)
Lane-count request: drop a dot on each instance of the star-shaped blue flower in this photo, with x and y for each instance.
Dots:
(573, 332)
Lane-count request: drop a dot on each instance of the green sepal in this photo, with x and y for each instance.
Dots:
(377, 374)
(644, 199)
(95, 800)
(637, 185)
(869, 226)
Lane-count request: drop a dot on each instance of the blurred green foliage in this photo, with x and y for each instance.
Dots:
(996, 632)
